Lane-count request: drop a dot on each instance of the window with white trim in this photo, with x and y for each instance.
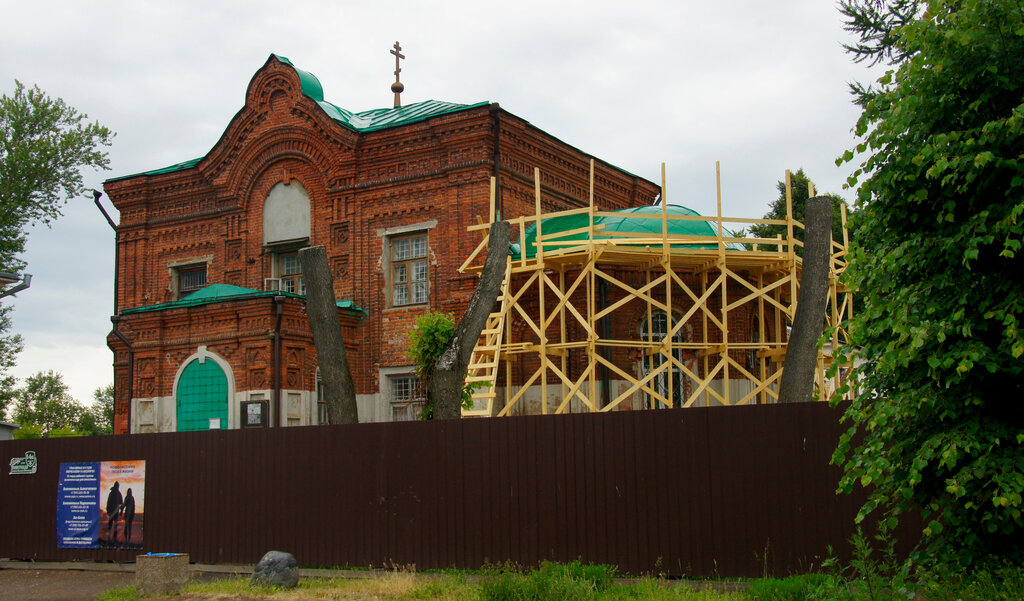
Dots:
(406, 401)
(289, 271)
(410, 282)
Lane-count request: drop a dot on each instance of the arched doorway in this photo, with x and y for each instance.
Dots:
(202, 396)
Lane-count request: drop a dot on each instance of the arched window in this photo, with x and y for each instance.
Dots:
(655, 331)
(286, 227)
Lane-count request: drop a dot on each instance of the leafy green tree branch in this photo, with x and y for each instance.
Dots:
(936, 264)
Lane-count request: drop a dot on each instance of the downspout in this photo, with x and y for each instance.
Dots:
(115, 319)
(496, 112)
(117, 254)
(274, 417)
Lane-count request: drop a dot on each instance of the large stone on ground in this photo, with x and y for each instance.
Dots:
(276, 569)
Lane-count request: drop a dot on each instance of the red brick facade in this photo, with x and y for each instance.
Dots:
(365, 188)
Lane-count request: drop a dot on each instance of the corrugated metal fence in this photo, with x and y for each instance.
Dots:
(734, 491)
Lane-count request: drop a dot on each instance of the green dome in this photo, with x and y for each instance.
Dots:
(623, 221)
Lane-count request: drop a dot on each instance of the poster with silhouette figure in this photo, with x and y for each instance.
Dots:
(101, 505)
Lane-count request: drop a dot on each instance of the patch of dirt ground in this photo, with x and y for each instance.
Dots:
(68, 585)
(59, 585)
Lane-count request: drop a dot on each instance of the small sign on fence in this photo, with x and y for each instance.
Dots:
(24, 465)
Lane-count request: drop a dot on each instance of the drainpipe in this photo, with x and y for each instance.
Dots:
(115, 319)
(117, 251)
(496, 112)
(274, 417)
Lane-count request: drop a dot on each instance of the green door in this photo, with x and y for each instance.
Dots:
(202, 396)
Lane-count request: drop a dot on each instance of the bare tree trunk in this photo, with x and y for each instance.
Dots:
(322, 309)
(450, 370)
(802, 351)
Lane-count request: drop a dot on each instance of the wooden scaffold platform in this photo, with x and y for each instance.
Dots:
(650, 307)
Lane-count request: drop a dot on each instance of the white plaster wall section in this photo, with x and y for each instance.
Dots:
(151, 415)
(286, 213)
(293, 408)
(367, 405)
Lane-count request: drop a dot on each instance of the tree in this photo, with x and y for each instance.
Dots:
(797, 385)
(322, 310)
(936, 265)
(10, 346)
(44, 143)
(427, 340)
(777, 210)
(875, 23)
(45, 402)
(99, 416)
(447, 381)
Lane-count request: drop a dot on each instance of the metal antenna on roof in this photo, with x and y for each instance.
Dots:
(397, 87)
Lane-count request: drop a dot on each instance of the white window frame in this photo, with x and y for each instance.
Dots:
(410, 269)
(388, 237)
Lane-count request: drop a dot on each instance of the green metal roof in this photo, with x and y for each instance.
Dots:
(365, 121)
(376, 118)
(217, 293)
(622, 222)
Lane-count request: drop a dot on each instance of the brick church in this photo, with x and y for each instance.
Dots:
(209, 326)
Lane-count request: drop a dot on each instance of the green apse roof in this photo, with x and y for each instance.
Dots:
(216, 293)
(365, 121)
(623, 221)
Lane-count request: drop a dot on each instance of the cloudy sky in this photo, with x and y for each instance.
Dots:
(760, 86)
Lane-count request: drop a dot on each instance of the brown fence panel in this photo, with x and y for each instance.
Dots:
(734, 491)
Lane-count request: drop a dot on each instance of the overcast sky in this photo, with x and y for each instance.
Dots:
(760, 86)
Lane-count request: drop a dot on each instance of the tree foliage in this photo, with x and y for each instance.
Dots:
(44, 408)
(10, 346)
(937, 267)
(99, 416)
(44, 144)
(777, 210)
(428, 339)
(45, 402)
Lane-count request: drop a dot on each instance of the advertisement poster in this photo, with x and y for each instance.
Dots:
(101, 505)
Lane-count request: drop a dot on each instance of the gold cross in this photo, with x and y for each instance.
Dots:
(397, 87)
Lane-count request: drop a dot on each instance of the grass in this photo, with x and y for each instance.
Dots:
(862, 580)
(572, 581)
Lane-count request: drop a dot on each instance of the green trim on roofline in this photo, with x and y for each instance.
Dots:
(365, 121)
(218, 293)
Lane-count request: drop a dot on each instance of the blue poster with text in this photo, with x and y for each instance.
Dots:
(78, 505)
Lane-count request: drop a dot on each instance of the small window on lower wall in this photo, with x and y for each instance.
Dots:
(406, 400)
(322, 416)
(190, 279)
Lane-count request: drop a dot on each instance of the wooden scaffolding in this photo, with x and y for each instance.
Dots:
(712, 311)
